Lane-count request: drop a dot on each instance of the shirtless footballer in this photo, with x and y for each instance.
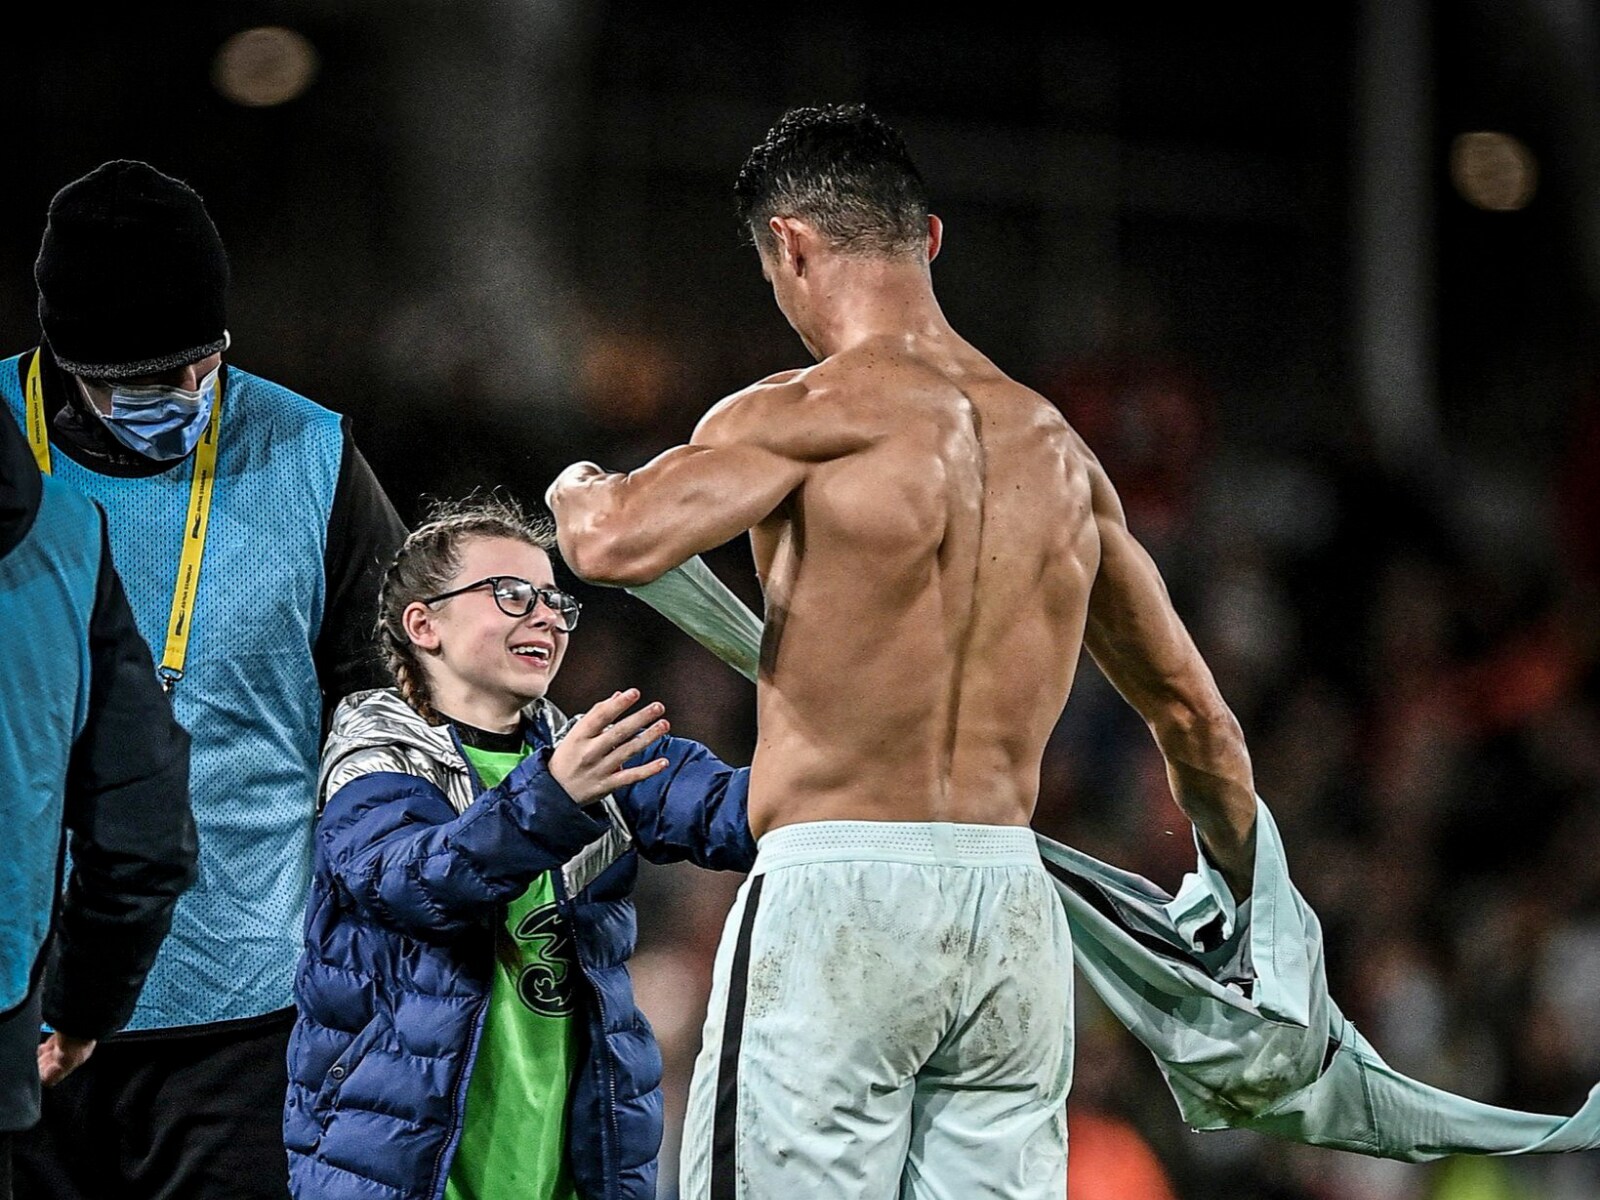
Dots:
(891, 1007)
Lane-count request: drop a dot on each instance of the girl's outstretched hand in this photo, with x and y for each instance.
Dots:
(588, 762)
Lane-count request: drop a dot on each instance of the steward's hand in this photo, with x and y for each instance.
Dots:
(588, 762)
(60, 1055)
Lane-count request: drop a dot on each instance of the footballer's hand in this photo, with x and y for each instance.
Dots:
(577, 473)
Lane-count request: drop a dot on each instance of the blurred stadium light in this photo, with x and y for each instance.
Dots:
(264, 66)
(1493, 171)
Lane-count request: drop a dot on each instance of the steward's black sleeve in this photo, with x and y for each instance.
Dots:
(128, 827)
(364, 534)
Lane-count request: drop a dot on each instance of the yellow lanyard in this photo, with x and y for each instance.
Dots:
(201, 488)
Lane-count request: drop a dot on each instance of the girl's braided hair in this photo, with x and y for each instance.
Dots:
(428, 561)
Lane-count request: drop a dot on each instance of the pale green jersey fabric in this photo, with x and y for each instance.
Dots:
(514, 1133)
(1232, 1001)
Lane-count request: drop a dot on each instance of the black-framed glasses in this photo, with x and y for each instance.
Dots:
(517, 598)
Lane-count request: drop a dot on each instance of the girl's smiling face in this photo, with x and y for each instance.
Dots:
(483, 666)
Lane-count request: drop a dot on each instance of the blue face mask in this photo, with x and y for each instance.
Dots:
(163, 423)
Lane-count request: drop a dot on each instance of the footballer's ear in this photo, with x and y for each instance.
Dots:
(794, 242)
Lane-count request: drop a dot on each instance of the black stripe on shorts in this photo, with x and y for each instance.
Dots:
(725, 1125)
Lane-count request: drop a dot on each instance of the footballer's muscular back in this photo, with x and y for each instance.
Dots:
(926, 592)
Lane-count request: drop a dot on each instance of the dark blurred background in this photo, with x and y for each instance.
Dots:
(1322, 295)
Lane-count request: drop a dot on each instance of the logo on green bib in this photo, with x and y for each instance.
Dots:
(545, 983)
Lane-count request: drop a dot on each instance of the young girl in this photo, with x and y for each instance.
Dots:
(466, 1027)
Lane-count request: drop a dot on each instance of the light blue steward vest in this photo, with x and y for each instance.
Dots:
(47, 590)
(249, 697)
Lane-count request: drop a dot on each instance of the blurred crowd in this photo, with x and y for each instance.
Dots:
(1415, 658)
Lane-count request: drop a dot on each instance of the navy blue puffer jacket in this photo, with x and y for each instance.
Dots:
(394, 983)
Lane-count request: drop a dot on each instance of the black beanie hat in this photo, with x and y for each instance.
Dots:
(132, 274)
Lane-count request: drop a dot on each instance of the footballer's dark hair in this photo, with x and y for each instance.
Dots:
(844, 170)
